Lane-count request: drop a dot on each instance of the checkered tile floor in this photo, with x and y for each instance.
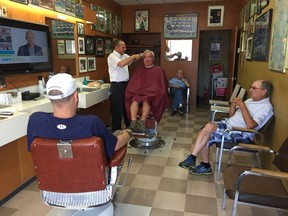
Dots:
(155, 186)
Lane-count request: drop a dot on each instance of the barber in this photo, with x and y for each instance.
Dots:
(118, 63)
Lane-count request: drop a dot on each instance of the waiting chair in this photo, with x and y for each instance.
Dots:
(255, 186)
(186, 98)
(214, 109)
(226, 103)
(227, 146)
(76, 175)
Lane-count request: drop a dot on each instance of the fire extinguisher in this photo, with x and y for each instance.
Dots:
(205, 92)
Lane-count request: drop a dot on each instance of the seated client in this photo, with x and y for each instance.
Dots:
(178, 86)
(64, 124)
(148, 86)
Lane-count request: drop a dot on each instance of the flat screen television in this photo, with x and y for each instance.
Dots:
(24, 47)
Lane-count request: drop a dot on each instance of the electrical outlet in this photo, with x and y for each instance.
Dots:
(4, 11)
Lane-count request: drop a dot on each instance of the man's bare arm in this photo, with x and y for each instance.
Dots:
(128, 60)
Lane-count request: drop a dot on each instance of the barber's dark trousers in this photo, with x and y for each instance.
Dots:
(118, 105)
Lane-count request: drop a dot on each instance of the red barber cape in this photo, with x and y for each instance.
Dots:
(151, 85)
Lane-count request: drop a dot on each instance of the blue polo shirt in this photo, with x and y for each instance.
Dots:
(175, 81)
(45, 125)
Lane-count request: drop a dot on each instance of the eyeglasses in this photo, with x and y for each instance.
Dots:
(254, 88)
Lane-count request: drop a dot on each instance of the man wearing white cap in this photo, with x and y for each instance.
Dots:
(64, 124)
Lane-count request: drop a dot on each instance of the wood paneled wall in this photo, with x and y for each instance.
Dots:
(231, 10)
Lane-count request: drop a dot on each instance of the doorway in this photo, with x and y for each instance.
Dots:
(214, 49)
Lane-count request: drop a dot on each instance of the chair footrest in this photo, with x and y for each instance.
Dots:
(77, 200)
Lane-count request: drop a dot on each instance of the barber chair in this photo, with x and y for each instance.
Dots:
(76, 175)
(149, 139)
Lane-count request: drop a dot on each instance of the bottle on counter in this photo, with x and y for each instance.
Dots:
(41, 85)
(85, 82)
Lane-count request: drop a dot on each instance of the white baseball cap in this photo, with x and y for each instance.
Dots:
(63, 82)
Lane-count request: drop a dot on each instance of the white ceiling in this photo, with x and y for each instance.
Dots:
(143, 2)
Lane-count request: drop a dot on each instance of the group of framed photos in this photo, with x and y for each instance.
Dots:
(106, 22)
(69, 7)
(180, 26)
(87, 64)
(255, 29)
(92, 45)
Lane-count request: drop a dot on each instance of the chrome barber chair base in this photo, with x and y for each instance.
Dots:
(104, 210)
(146, 143)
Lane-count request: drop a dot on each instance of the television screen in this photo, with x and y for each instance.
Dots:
(24, 47)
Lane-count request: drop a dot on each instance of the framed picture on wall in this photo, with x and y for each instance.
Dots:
(99, 46)
(180, 26)
(141, 20)
(263, 4)
(108, 45)
(34, 2)
(253, 7)
(113, 24)
(279, 51)
(215, 15)
(80, 28)
(82, 64)
(21, 1)
(81, 45)
(70, 7)
(90, 45)
(119, 27)
(62, 29)
(249, 42)
(60, 6)
(60, 47)
(49, 4)
(108, 22)
(101, 22)
(70, 46)
(242, 45)
(261, 38)
(91, 63)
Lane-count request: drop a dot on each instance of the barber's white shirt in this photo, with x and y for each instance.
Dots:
(116, 73)
(260, 111)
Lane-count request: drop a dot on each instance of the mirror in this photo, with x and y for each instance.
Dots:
(178, 50)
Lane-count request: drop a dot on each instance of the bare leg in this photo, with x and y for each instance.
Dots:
(202, 139)
(205, 154)
(145, 110)
(134, 110)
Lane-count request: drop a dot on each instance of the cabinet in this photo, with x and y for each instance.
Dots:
(16, 166)
(139, 42)
(102, 110)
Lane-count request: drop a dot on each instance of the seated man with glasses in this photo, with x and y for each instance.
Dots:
(178, 87)
(253, 113)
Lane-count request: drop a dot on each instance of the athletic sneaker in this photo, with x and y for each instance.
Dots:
(140, 127)
(201, 170)
(188, 163)
(181, 110)
(174, 112)
(133, 125)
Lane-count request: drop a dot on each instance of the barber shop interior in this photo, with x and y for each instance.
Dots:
(143, 107)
